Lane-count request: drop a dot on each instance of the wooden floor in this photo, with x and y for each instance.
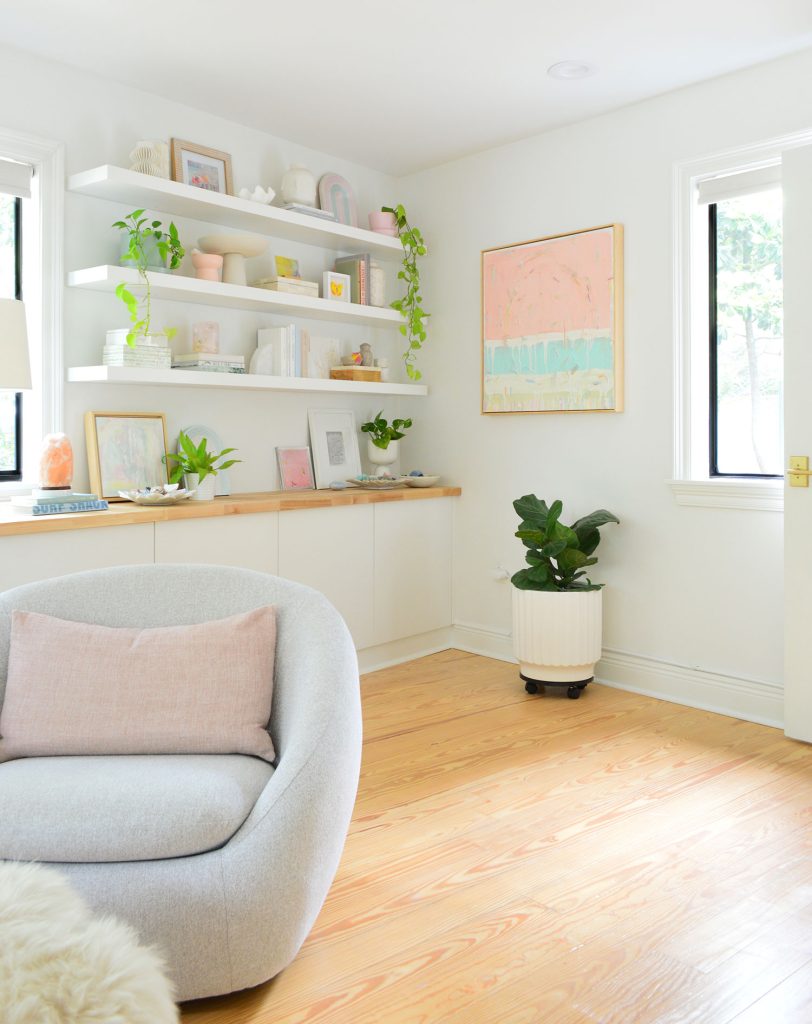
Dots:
(536, 860)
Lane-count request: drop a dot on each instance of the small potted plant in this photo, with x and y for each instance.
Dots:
(383, 443)
(144, 239)
(557, 609)
(410, 306)
(198, 465)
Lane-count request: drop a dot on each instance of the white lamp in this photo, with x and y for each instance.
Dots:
(15, 370)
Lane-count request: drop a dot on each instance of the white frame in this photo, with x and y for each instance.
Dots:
(327, 279)
(327, 421)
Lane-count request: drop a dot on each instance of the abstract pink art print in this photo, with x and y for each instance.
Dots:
(295, 469)
(552, 324)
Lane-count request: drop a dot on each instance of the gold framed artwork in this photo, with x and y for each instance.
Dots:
(201, 167)
(552, 323)
(125, 451)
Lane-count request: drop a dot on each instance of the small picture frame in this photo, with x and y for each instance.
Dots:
(201, 167)
(286, 266)
(336, 286)
(334, 441)
(125, 451)
(295, 469)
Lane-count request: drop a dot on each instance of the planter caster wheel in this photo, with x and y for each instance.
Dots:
(531, 687)
(574, 692)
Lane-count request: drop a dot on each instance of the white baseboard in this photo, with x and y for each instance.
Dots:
(370, 659)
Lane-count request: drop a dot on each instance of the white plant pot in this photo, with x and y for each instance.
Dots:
(382, 457)
(557, 636)
(204, 491)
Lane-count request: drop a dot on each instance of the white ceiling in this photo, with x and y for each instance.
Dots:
(403, 84)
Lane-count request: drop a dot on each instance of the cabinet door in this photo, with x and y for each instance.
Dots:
(38, 556)
(412, 567)
(248, 541)
(331, 549)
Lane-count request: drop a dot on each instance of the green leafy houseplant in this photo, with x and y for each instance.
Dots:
(410, 306)
(557, 555)
(199, 460)
(381, 433)
(169, 248)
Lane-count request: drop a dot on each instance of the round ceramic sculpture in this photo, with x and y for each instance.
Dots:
(208, 266)
(234, 249)
(382, 457)
(151, 156)
(55, 463)
(298, 186)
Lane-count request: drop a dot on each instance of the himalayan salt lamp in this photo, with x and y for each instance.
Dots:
(56, 463)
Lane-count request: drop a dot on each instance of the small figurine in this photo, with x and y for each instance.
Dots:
(366, 355)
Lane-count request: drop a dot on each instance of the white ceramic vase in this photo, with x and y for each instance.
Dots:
(298, 186)
(557, 636)
(382, 457)
(203, 491)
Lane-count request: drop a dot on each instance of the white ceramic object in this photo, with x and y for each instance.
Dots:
(378, 483)
(151, 156)
(298, 186)
(258, 194)
(235, 250)
(421, 481)
(382, 457)
(557, 636)
(377, 284)
(169, 494)
(201, 491)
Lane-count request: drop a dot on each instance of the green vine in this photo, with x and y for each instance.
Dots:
(410, 306)
(169, 247)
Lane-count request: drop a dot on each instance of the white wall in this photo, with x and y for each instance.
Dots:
(695, 587)
(99, 122)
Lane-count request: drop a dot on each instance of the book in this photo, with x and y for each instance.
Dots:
(289, 285)
(358, 269)
(59, 507)
(25, 502)
(190, 358)
(309, 211)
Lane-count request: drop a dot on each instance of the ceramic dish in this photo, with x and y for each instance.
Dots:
(378, 483)
(170, 494)
(421, 481)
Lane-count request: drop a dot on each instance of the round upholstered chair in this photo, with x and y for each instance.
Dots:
(221, 861)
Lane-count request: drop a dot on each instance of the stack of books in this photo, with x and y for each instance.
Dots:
(152, 353)
(279, 351)
(210, 362)
(309, 211)
(57, 503)
(357, 267)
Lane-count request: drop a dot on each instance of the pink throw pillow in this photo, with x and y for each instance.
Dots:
(78, 688)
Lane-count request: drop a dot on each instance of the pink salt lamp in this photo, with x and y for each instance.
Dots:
(56, 463)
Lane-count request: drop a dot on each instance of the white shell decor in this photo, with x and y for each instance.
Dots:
(151, 156)
(557, 636)
(168, 494)
(258, 194)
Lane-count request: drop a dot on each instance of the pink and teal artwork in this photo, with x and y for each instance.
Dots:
(552, 324)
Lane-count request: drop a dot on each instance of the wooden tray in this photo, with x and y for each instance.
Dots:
(371, 373)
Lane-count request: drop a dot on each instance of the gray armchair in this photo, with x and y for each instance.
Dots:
(222, 861)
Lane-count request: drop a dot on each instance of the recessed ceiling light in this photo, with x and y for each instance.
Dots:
(569, 69)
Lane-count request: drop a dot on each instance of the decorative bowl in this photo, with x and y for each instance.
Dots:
(421, 481)
(223, 245)
(168, 494)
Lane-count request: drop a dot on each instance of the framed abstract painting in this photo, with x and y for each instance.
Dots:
(552, 324)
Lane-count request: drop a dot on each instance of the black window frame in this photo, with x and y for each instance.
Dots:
(713, 366)
(16, 474)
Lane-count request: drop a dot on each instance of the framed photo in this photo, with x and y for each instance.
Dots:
(201, 167)
(552, 324)
(336, 286)
(295, 470)
(125, 451)
(334, 440)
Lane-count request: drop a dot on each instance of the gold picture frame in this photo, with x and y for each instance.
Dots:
(552, 324)
(126, 451)
(201, 167)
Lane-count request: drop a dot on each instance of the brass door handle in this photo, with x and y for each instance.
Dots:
(798, 473)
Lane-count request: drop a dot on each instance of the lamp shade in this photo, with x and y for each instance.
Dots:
(15, 370)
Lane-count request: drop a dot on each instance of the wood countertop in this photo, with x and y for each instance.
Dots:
(125, 513)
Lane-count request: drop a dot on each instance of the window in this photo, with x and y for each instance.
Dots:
(11, 403)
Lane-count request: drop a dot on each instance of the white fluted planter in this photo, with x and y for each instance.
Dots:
(557, 636)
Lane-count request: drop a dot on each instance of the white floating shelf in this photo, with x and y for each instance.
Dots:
(173, 197)
(235, 296)
(240, 381)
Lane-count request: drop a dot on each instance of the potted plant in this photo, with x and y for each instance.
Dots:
(383, 443)
(410, 306)
(144, 239)
(198, 465)
(557, 609)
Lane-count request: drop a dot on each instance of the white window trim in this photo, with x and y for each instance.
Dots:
(691, 484)
(44, 294)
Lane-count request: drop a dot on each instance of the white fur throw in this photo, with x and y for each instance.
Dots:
(60, 965)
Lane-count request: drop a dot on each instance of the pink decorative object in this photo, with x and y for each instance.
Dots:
(56, 463)
(383, 223)
(206, 336)
(208, 266)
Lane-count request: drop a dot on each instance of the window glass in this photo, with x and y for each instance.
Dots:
(9, 439)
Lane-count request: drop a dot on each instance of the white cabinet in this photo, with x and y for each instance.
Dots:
(412, 567)
(246, 541)
(38, 556)
(331, 550)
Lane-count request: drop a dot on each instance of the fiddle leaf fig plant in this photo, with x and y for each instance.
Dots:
(411, 305)
(557, 555)
(192, 458)
(169, 249)
(381, 433)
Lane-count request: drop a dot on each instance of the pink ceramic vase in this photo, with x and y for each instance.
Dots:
(383, 223)
(208, 266)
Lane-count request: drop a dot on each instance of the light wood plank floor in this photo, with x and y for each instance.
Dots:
(536, 860)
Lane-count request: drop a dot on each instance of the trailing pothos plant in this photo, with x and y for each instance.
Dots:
(169, 249)
(410, 306)
(557, 555)
(192, 458)
(381, 433)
